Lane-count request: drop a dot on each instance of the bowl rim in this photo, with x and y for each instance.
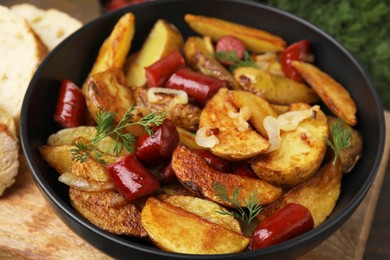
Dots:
(56, 201)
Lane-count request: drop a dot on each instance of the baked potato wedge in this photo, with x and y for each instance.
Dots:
(205, 209)
(300, 153)
(58, 157)
(115, 48)
(237, 140)
(165, 223)
(162, 39)
(274, 88)
(332, 93)
(319, 194)
(255, 40)
(107, 91)
(195, 174)
(187, 138)
(185, 116)
(199, 58)
(258, 106)
(103, 210)
(350, 155)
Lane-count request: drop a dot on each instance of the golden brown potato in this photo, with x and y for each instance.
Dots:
(332, 93)
(255, 40)
(162, 39)
(103, 209)
(58, 157)
(351, 155)
(300, 153)
(319, 194)
(276, 89)
(259, 108)
(199, 58)
(195, 174)
(185, 116)
(107, 91)
(177, 230)
(175, 188)
(205, 209)
(237, 140)
(187, 138)
(115, 48)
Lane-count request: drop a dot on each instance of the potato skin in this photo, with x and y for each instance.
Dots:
(299, 155)
(98, 207)
(319, 194)
(195, 174)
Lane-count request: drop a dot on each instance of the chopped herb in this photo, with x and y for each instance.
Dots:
(231, 57)
(246, 214)
(105, 127)
(340, 138)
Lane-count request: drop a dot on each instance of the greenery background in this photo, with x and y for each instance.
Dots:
(362, 26)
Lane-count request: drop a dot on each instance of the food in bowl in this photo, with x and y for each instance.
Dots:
(200, 140)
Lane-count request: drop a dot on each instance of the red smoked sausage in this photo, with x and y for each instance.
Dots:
(287, 223)
(71, 105)
(131, 178)
(230, 44)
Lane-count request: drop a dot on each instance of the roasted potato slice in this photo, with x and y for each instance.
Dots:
(115, 48)
(319, 194)
(107, 91)
(70, 135)
(166, 223)
(198, 57)
(187, 138)
(162, 39)
(103, 210)
(276, 89)
(237, 140)
(58, 157)
(332, 93)
(205, 209)
(255, 40)
(185, 116)
(348, 156)
(300, 153)
(259, 108)
(195, 174)
(175, 188)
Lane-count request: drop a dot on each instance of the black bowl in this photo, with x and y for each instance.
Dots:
(74, 57)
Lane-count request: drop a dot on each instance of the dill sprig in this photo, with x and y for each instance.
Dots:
(231, 57)
(340, 138)
(105, 127)
(246, 214)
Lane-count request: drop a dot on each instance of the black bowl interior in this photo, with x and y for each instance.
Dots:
(74, 58)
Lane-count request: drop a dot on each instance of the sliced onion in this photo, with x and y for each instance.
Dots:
(271, 126)
(204, 139)
(241, 118)
(180, 96)
(289, 121)
(80, 183)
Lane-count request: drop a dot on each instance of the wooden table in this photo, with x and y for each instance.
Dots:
(29, 229)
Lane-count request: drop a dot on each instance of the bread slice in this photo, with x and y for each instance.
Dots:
(9, 151)
(52, 25)
(21, 53)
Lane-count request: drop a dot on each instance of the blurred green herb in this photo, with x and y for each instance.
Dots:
(363, 27)
(340, 138)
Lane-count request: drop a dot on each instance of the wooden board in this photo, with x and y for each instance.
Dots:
(30, 230)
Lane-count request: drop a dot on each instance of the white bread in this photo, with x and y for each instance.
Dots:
(21, 53)
(52, 25)
(9, 151)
